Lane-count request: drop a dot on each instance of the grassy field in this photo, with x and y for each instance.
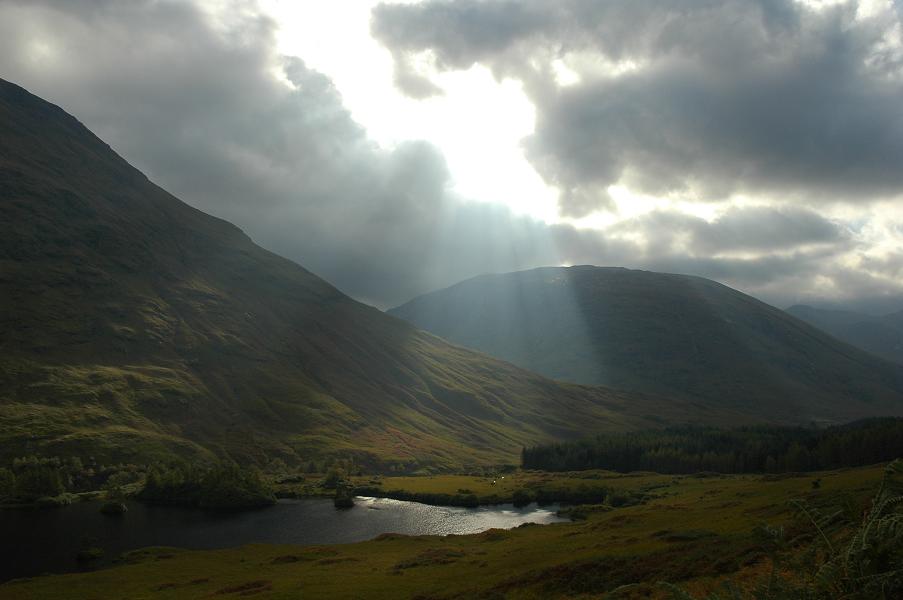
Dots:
(698, 531)
(504, 487)
(497, 488)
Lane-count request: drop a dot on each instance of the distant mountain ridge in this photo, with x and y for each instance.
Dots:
(662, 333)
(882, 336)
(135, 328)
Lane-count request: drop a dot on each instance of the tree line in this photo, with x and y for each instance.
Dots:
(753, 449)
(32, 478)
(224, 485)
(53, 481)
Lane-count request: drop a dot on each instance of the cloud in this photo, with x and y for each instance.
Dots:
(699, 99)
(207, 107)
(202, 101)
(752, 229)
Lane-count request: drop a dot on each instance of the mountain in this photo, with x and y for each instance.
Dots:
(882, 336)
(661, 333)
(134, 327)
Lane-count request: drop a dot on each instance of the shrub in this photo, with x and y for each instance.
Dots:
(866, 565)
(228, 486)
(89, 554)
(468, 500)
(38, 481)
(620, 499)
(521, 498)
(113, 508)
(7, 483)
(344, 496)
(223, 486)
(334, 477)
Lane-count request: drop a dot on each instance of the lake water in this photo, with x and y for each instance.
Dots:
(40, 541)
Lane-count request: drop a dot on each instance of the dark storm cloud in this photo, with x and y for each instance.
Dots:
(779, 255)
(194, 103)
(208, 108)
(725, 96)
(739, 229)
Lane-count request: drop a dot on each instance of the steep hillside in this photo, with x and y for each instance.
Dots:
(133, 326)
(882, 336)
(656, 332)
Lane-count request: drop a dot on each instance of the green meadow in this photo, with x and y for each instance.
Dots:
(696, 531)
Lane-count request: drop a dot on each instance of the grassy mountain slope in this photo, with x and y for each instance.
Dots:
(133, 326)
(882, 336)
(655, 332)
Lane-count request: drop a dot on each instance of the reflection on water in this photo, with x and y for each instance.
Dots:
(39, 541)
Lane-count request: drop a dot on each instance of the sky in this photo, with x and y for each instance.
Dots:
(397, 148)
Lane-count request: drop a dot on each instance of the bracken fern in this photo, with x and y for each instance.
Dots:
(866, 565)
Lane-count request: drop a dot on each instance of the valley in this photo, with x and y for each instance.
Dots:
(698, 531)
(185, 414)
(138, 329)
(681, 336)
